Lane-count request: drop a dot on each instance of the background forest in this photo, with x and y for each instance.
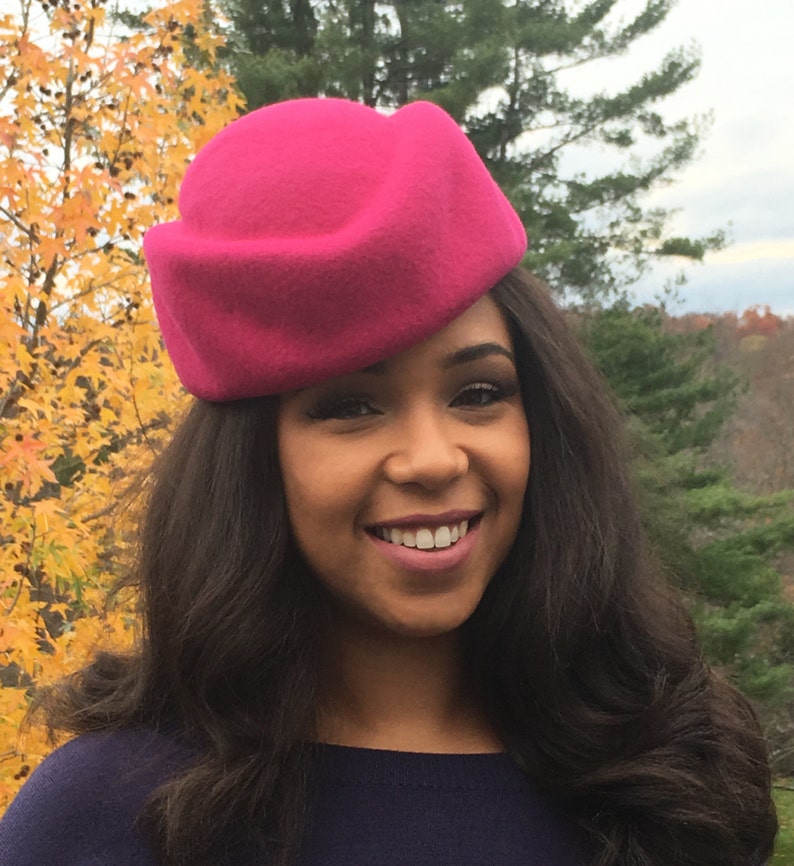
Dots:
(100, 113)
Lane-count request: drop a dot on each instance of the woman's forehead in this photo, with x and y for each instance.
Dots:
(479, 331)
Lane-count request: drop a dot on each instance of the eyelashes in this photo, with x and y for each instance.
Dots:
(343, 407)
(349, 406)
(483, 394)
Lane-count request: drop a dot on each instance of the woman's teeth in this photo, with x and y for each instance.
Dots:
(424, 539)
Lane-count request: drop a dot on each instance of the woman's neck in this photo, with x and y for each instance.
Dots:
(387, 691)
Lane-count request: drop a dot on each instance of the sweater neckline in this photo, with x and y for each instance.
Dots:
(354, 764)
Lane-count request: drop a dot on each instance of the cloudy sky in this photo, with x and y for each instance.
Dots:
(744, 178)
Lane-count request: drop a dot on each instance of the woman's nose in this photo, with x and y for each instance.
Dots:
(426, 453)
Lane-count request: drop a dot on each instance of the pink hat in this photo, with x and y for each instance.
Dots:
(319, 236)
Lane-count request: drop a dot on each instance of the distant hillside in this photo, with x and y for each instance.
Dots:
(757, 441)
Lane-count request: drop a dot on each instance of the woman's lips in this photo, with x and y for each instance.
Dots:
(430, 561)
(412, 521)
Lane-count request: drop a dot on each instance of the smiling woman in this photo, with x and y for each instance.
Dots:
(398, 607)
(382, 468)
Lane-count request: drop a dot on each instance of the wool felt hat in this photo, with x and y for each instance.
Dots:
(318, 236)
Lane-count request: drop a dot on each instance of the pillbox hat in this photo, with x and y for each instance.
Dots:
(318, 236)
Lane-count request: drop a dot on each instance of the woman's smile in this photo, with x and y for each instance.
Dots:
(428, 552)
(405, 481)
(425, 531)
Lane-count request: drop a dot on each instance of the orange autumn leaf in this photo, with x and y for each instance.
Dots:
(21, 461)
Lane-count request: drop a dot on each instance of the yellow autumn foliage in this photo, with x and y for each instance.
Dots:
(97, 125)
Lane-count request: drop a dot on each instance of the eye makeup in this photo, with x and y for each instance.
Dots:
(342, 406)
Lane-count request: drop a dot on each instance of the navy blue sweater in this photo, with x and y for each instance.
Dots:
(374, 808)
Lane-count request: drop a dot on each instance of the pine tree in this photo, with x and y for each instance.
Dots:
(718, 543)
(499, 69)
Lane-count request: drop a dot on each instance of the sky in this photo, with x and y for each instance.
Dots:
(743, 180)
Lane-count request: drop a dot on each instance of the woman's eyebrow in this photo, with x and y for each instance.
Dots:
(461, 356)
(474, 353)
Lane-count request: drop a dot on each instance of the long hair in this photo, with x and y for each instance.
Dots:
(583, 660)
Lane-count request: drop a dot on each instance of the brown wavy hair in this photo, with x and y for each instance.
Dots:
(583, 659)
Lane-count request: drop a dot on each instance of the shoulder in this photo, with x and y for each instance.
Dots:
(82, 803)
(93, 766)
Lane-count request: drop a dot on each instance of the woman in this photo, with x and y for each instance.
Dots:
(398, 606)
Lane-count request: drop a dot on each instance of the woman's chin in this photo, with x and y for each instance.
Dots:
(425, 623)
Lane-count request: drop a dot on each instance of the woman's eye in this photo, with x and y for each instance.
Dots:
(483, 394)
(343, 408)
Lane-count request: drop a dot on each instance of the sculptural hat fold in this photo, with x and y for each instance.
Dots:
(318, 236)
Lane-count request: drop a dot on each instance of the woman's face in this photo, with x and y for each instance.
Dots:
(405, 481)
